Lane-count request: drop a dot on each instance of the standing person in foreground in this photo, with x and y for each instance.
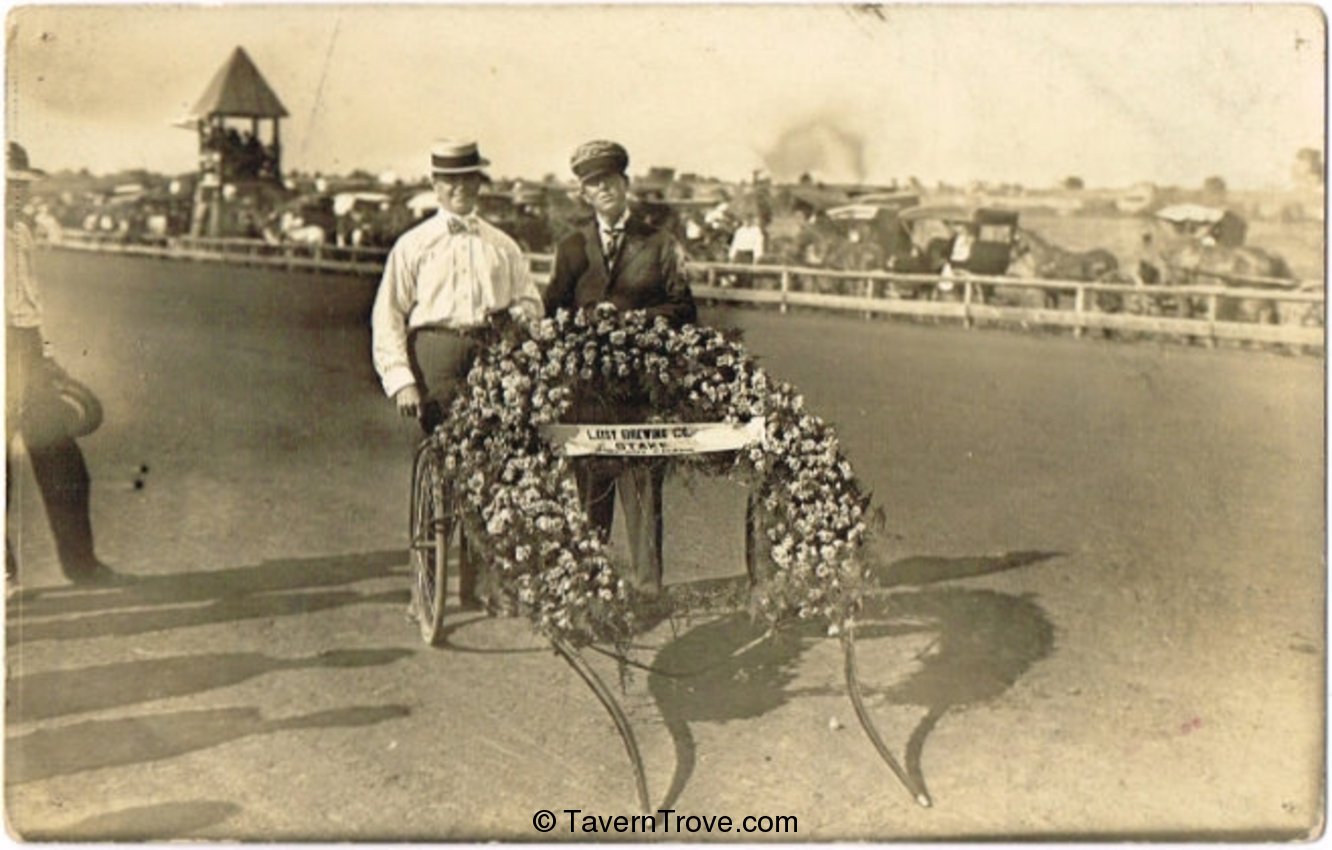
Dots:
(33, 402)
(620, 260)
(443, 279)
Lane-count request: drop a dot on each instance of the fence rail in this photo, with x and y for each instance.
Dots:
(784, 287)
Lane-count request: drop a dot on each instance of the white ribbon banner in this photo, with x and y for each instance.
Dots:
(654, 439)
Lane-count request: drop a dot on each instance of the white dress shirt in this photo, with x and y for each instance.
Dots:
(605, 230)
(748, 237)
(450, 272)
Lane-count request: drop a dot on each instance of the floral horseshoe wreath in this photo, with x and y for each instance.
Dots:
(491, 463)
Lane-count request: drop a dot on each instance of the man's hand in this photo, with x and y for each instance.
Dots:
(521, 313)
(408, 400)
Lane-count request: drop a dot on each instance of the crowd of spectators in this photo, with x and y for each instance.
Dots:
(740, 224)
(144, 218)
(743, 225)
(243, 156)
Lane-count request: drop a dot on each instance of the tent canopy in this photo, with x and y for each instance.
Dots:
(239, 90)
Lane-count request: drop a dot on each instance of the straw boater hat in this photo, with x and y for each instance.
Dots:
(452, 156)
(16, 165)
(599, 157)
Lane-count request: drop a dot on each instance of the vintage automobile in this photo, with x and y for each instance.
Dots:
(305, 219)
(875, 219)
(947, 240)
(1194, 221)
(857, 235)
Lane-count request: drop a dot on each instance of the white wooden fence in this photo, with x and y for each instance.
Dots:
(874, 292)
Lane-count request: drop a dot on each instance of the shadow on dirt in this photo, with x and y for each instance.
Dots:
(270, 589)
(97, 744)
(158, 822)
(449, 639)
(980, 643)
(41, 696)
(924, 569)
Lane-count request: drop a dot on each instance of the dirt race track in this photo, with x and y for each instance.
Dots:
(1100, 603)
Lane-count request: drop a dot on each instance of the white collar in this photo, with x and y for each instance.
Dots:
(455, 224)
(447, 215)
(618, 225)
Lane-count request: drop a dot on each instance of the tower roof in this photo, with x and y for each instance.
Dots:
(238, 89)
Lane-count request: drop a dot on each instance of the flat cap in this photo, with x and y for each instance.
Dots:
(599, 157)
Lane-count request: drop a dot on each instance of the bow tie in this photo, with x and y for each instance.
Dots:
(462, 225)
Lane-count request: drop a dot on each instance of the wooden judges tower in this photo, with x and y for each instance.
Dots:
(238, 167)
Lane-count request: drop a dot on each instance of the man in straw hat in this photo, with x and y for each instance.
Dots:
(35, 399)
(620, 260)
(443, 279)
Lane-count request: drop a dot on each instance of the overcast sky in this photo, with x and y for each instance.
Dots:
(1114, 94)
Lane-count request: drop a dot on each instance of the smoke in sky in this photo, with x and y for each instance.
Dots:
(819, 146)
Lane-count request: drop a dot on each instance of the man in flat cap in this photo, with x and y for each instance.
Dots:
(620, 260)
(443, 279)
(35, 402)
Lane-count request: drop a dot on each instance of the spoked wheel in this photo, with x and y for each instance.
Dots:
(431, 528)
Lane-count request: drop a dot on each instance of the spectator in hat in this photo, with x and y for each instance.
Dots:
(620, 260)
(42, 403)
(442, 282)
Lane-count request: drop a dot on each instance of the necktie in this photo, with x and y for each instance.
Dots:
(611, 242)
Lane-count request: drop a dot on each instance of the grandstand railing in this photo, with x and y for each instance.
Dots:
(870, 293)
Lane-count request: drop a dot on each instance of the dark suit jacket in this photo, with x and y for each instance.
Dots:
(649, 273)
